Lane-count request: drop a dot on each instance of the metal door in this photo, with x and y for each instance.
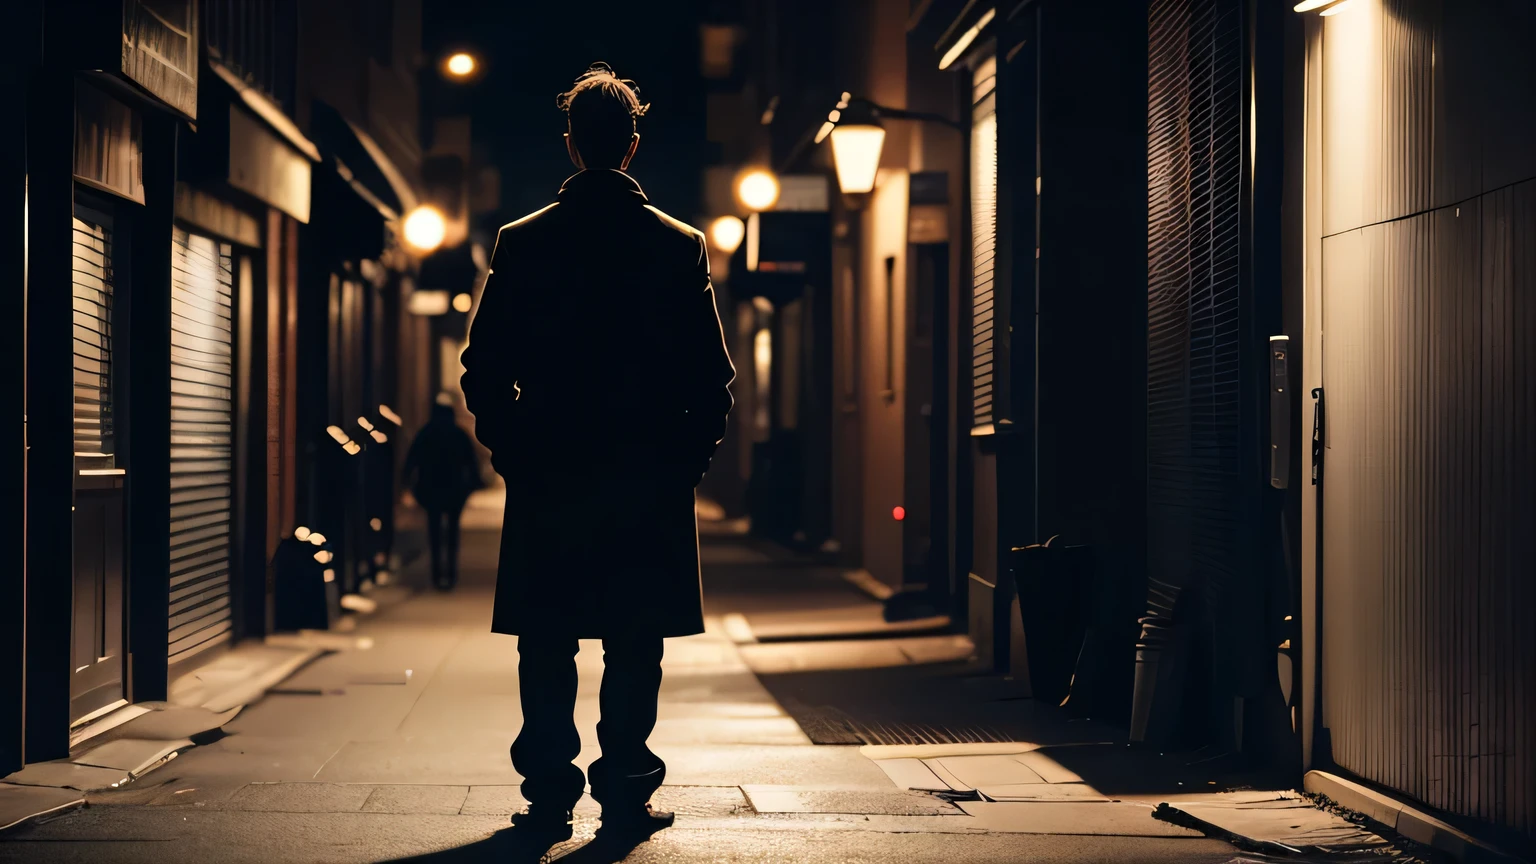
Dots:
(202, 355)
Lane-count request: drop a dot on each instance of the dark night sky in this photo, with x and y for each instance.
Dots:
(534, 49)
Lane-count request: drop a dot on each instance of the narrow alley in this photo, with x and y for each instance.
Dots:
(394, 744)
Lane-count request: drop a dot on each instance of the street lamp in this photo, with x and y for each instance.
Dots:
(1326, 6)
(757, 189)
(858, 136)
(425, 229)
(460, 64)
(857, 139)
(726, 233)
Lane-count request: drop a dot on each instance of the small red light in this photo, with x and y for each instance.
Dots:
(898, 513)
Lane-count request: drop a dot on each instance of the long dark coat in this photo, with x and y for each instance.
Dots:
(598, 376)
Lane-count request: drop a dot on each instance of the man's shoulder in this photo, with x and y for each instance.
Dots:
(532, 221)
(678, 226)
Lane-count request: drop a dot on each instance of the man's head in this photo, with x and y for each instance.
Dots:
(601, 109)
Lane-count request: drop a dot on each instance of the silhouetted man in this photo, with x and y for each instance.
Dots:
(442, 458)
(598, 376)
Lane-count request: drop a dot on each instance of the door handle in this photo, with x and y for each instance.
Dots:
(1317, 434)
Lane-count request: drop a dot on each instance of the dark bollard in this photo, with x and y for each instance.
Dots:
(308, 596)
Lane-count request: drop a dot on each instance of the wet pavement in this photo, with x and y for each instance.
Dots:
(397, 746)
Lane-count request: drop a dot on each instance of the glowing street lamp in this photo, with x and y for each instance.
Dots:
(460, 65)
(857, 139)
(858, 136)
(757, 189)
(425, 229)
(726, 233)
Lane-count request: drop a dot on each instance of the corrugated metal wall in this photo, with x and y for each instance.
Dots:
(1429, 375)
(202, 412)
(1194, 246)
(984, 241)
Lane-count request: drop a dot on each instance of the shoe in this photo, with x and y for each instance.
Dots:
(532, 834)
(636, 827)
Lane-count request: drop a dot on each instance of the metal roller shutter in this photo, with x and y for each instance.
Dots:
(983, 239)
(1195, 311)
(202, 286)
(92, 278)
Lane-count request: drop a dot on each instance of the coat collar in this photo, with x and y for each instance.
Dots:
(601, 183)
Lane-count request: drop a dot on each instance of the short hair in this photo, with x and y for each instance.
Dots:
(601, 109)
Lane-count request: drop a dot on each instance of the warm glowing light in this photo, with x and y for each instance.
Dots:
(758, 189)
(461, 65)
(1334, 10)
(898, 513)
(462, 302)
(335, 432)
(425, 228)
(856, 154)
(324, 556)
(428, 303)
(317, 538)
(727, 233)
(378, 436)
(754, 235)
(363, 422)
(329, 574)
(966, 39)
(824, 131)
(1313, 5)
(301, 533)
(376, 523)
(389, 414)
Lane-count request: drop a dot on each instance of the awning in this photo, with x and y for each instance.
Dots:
(244, 139)
(361, 163)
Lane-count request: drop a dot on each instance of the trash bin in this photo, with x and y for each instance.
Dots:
(1055, 588)
(1159, 665)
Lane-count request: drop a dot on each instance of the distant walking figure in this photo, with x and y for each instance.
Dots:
(598, 375)
(442, 458)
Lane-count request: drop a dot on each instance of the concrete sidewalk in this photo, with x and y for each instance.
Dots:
(399, 747)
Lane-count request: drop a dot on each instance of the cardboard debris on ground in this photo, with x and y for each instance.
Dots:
(21, 804)
(1285, 823)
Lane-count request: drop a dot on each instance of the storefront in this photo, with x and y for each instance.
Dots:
(100, 184)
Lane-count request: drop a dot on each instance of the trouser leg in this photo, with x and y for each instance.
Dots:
(548, 744)
(435, 543)
(453, 545)
(628, 773)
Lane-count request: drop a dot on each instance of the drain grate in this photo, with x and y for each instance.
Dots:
(924, 733)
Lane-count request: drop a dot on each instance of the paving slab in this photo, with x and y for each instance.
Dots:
(1049, 817)
(976, 771)
(20, 804)
(912, 774)
(441, 800)
(302, 797)
(861, 802)
(1051, 771)
(781, 657)
(1041, 792)
(702, 801)
(501, 800)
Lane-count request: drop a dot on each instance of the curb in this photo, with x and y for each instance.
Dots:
(1403, 819)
